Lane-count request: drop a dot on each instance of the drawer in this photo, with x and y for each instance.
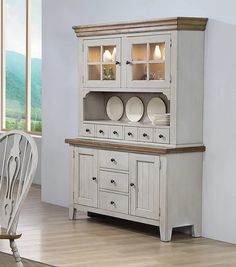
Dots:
(131, 133)
(113, 202)
(163, 136)
(102, 131)
(88, 130)
(146, 135)
(114, 181)
(113, 160)
(116, 132)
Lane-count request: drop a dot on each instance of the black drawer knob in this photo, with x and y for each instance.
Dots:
(145, 135)
(131, 184)
(112, 203)
(101, 131)
(94, 178)
(128, 62)
(115, 132)
(87, 131)
(161, 136)
(112, 181)
(117, 63)
(130, 134)
(113, 160)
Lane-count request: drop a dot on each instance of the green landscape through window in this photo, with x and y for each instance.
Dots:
(15, 43)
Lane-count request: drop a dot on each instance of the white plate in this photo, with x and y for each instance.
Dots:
(115, 108)
(134, 109)
(155, 106)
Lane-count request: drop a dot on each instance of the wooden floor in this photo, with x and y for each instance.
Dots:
(49, 237)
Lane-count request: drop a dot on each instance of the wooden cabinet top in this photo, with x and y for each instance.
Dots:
(134, 148)
(177, 23)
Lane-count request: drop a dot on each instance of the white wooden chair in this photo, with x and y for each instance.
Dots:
(18, 163)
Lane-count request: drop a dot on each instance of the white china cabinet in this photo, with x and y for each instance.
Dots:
(138, 154)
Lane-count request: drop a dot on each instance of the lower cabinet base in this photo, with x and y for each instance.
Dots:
(165, 232)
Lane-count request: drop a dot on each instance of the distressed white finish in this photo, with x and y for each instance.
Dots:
(16, 253)
(182, 89)
(144, 192)
(18, 167)
(159, 190)
(86, 177)
(163, 190)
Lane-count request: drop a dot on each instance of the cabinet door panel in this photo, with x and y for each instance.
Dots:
(144, 179)
(86, 177)
(102, 63)
(148, 61)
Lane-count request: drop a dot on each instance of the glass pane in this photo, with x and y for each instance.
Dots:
(157, 51)
(94, 72)
(94, 54)
(15, 64)
(109, 53)
(139, 71)
(157, 71)
(109, 72)
(139, 52)
(36, 63)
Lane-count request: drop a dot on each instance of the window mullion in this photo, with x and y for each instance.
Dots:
(28, 65)
(3, 67)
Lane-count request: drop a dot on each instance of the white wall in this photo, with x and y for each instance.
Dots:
(60, 93)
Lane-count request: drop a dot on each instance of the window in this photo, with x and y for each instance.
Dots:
(21, 83)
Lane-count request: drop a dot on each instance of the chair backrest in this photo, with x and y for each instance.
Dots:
(18, 163)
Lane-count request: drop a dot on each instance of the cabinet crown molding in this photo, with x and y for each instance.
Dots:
(177, 23)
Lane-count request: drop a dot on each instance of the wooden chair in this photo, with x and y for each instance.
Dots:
(18, 163)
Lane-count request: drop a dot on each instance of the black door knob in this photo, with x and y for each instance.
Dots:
(131, 184)
(117, 63)
(94, 178)
(128, 62)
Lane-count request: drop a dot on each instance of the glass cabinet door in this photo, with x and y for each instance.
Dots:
(102, 63)
(148, 61)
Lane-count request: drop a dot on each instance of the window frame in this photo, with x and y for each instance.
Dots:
(28, 68)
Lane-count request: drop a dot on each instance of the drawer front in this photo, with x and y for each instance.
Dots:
(88, 130)
(146, 135)
(116, 132)
(113, 202)
(114, 181)
(131, 133)
(113, 160)
(163, 136)
(102, 131)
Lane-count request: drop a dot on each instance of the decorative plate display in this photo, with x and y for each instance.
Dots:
(114, 108)
(155, 106)
(134, 109)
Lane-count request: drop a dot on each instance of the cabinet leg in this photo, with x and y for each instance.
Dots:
(71, 213)
(165, 233)
(196, 230)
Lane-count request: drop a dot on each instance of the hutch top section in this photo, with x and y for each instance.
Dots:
(178, 23)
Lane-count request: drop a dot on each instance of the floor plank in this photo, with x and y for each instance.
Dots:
(49, 237)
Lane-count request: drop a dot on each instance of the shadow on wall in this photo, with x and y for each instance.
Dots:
(219, 172)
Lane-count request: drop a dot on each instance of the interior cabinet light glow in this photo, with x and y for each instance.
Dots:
(107, 57)
(157, 53)
(114, 54)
